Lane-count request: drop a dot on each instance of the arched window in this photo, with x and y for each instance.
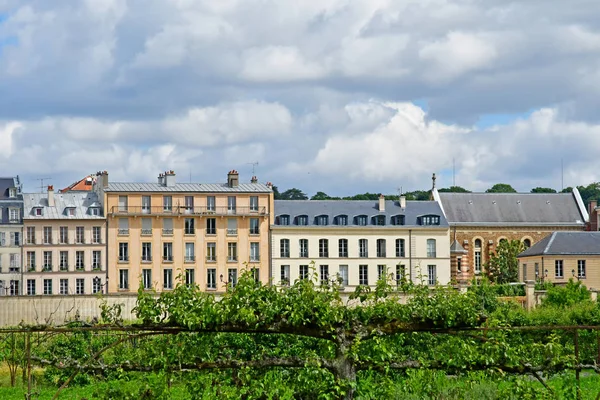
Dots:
(527, 243)
(431, 248)
(477, 251)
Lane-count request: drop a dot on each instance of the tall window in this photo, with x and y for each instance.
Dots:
(231, 204)
(211, 278)
(146, 204)
(343, 248)
(323, 248)
(254, 226)
(47, 235)
(284, 248)
(96, 231)
(190, 252)
(400, 248)
(363, 248)
(47, 261)
(524, 272)
(96, 259)
(381, 252)
(431, 248)
(210, 203)
(253, 203)
(343, 275)
(146, 226)
(63, 260)
(123, 226)
(190, 277)
(14, 215)
(254, 251)
(147, 278)
(31, 287)
(168, 278)
(146, 251)
(285, 275)
(232, 252)
(64, 286)
(232, 226)
(122, 203)
(381, 272)
(123, 251)
(558, 269)
(211, 251)
(79, 266)
(47, 286)
(15, 262)
(232, 276)
(303, 272)
(15, 238)
(79, 235)
(189, 227)
(79, 286)
(167, 252)
(324, 274)
(123, 279)
(363, 274)
(477, 251)
(30, 260)
(167, 203)
(167, 226)
(189, 204)
(31, 235)
(400, 273)
(303, 248)
(211, 226)
(96, 285)
(581, 269)
(63, 235)
(431, 275)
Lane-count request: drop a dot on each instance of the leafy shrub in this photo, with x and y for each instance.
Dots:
(566, 296)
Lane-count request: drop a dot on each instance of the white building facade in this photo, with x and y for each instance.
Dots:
(11, 232)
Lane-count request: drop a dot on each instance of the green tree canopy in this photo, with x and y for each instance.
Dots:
(323, 196)
(501, 188)
(503, 267)
(276, 194)
(421, 195)
(542, 190)
(454, 189)
(589, 192)
(293, 194)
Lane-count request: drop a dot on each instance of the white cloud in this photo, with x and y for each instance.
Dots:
(279, 63)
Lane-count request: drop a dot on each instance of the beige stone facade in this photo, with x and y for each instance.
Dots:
(559, 269)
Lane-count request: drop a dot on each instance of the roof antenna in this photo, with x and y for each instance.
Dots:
(254, 164)
(42, 183)
(453, 171)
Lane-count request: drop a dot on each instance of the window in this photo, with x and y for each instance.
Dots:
(168, 278)
(431, 250)
(341, 220)
(31, 287)
(232, 226)
(397, 220)
(524, 272)
(14, 288)
(211, 226)
(302, 220)
(211, 251)
(581, 269)
(284, 248)
(94, 211)
(79, 286)
(431, 275)
(255, 274)
(30, 235)
(96, 232)
(430, 220)
(283, 220)
(378, 220)
(211, 278)
(360, 220)
(167, 203)
(12, 192)
(122, 203)
(381, 248)
(537, 270)
(70, 211)
(231, 252)
(167, 252)
(96, 260)
(303, 248)
(232, 276)
(123, 252)
(231, 204)
(79, 235)
(285, 275)
(381, 272)
(189, 204)
(477, 251)
(79, 261)
(343, 247)
(400, 248)
(558, 269)
(167, 226)
(47, 235)
(210, 203)
(459, 264)
(146, 204)
(147, 279)
(190, 252)
(321, 220)
(123, 226)
(324, 274)
(47, 286)
(63, 235)
(189, 227)
(15, 263)
(254, 230)
(63, 261)
(96, 285)
(31, 261)
(526, 243)
(303, 272)
(15, 238)
(363, 248)
(363, 274)
(253, 203)
(400, 273)
(254, 251)
(323, 248)
(146, 226)
(63, 286)
(47, 261)
(190, 277)
(343, 275)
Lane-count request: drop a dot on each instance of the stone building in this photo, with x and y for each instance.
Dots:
(11, 231)
(479, 221)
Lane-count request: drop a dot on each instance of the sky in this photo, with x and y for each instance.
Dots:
(339, 96)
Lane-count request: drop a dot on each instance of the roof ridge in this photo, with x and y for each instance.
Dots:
(547, 248)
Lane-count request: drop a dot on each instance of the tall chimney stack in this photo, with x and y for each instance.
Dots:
(51, 196)
(402, 201)
(169, 178)
(381, 203)
(233, 178)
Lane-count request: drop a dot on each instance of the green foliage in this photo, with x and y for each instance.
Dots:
(323, 196)
(542, 190)
(454, 189)
(568, 295)
(293, 194)
(503, 266)
(501, 188)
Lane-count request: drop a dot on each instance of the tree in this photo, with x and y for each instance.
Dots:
(293, 194)
(454, 189)
(542, 190)
(323, 196)
(589, 192)
(503, 267)
(276, 194)
(501, 188)
(420, 195)
(364, 196)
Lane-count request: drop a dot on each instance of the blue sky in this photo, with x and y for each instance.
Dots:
(334, 96)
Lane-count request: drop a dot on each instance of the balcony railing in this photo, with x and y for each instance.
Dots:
(146, 259)
(47, 268)
(124, 231)
(167, 258)
(185, 210)
(254, 258)
(79, 267)
(232, 232)
(189, 231)
(63, 267)
(146, 232)
(190, 258)
(167, 231)
(211, 258)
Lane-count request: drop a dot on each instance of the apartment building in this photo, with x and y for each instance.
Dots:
(357, 242)
(64, 247)
(11, 231)
(201, 233)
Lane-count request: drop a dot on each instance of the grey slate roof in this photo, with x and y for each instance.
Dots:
(5, 184)
(559, 209)
(352, 208)
(80, 200)
(187, 187)
(566, 243)
(456, 247)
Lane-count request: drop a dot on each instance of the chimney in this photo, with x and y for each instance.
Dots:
(402, 201)
(593, 215)
(381, 203)
(254, 179)
(160, 179)
(233, 178)
(269, 185)
(51, 196)
(104, 175)
(169, 178)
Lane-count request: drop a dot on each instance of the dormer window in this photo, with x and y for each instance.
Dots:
(302, 220)
(38, 211)
(361, 220)
(398, 220)
(321, 220)
(341, 220)
(70, 211)
(94, 211)
(430, 219)
(378, 220)
(12, 192)
(283, 220)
